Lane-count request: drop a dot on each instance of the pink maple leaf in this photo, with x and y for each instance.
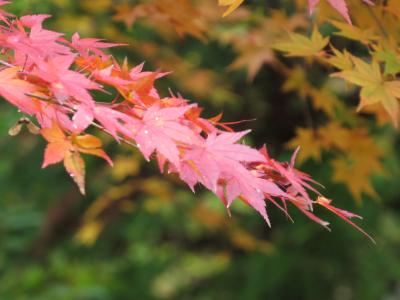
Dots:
(295, 182)
(64, 82)
(46, 113)
(83, 117)
(45, 41)
(115, 122)
(14, 90)
(244, 184)
(220, 165)
(343, 214)
(38, 43)
(83, 46)
(160, 129)
(219, 153)
(107, 76)
(33, 20)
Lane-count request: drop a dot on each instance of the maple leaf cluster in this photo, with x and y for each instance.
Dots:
(331, 124)
(375, 73)
(52, 79)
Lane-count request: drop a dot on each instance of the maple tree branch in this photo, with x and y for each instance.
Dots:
(169, 132)
(71, 110)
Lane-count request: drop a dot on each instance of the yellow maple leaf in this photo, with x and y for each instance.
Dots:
(301, 45)
(361, 161)
(324, 100)
(355, 175)
(297, 81)
(381, 117)
(254, 46)
(340, 60)
(183, 17)
(357, 157)
(233, 4)
(311, 145)
(336, 136)
(374, 87)
(355, 33)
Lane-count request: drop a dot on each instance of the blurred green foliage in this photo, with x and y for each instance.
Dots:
(138, 235)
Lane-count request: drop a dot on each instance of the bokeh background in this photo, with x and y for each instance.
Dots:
(141, 235)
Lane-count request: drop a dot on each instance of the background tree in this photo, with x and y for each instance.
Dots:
(200, 246)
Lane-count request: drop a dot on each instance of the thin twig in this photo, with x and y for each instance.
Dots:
(94, 124)
(6, 64)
